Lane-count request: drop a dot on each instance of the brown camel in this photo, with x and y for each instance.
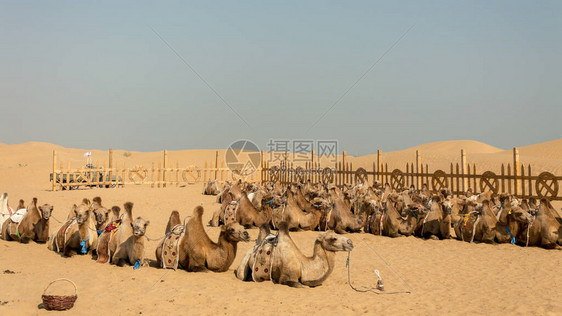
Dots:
(211, 188)
(102, 214)
(33, 226)
(437, 223)
(127, 245)
(286, 264)
(78, 235)
(342, 220)
(295, 217)
(197, 252)
(544, 228)
(169, 245)
(478, 223)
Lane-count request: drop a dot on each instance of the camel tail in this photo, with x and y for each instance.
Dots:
(86, 201)
(129, 209)
(97, 200)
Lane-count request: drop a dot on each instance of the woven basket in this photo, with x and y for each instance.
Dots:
(59, 302)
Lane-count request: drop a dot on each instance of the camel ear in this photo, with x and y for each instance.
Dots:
(146, 224)
(74, 209)
(132, 225)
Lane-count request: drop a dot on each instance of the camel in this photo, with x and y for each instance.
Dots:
(76, 235)
(242, 211)
(544, 228)
(478, 223)
(211, 188)
(437, 222)
(102, 214)
(511, 217)
(197, 252)
(341, 219)
(286, 264)
(127, 245)
(295, 217)
(33, 226)
(170, 244)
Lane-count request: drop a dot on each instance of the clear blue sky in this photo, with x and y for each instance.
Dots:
(95, 75)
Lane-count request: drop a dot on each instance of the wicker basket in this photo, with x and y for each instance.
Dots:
(59, 302)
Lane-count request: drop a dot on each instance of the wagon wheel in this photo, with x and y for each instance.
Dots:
(138, 175)
(489, 181)
(299, 174)
(327, 175)
(439, 180)
(191, 174)
(546, 182)
(397, 180)
(274, 174)
(361, 175)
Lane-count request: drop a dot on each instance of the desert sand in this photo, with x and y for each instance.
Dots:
(445, 277)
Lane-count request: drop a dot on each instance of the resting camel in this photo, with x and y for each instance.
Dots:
(544, 229)
(477, 223)
(288, 265)
(127, 245)
(76, 235)
(197, 252)
(170, 242)
(102, 214)
(243, 211)
(33, 226)
(342, 220)
(211, 188)
(295, 217)
(511, 217)
(437, 222)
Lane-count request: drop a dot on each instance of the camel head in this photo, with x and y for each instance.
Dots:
(139, 226)
(520, 215)
(45, 211)
(273, 199)
(81, 212)
(321, 203)
(235, 232)
(448, 205)
(101, 214)
(334, 242)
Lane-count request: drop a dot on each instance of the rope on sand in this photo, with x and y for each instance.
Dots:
(380, 286)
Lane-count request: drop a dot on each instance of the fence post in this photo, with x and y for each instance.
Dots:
(54, 168)
(262, 166)
(164, 171)
(516, 171)
(463, 171)
(379, 165)
(216, 165)
(418, 163)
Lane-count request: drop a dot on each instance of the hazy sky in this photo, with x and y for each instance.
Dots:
(97, 75)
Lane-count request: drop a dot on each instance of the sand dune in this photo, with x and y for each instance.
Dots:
(446, 277)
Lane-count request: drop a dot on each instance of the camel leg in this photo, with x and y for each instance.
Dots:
(286, 279)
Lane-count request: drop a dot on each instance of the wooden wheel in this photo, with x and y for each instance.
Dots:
(546, 185)
(439, 180)
(489, 181)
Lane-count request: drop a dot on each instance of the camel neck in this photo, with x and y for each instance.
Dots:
(228, 248)
(322, 262)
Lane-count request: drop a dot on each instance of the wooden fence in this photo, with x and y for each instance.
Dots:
(160, 174)
(514, 178)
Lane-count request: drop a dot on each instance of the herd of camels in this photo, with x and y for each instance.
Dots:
(117, 237)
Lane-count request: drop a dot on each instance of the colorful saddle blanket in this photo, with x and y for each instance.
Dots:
(230, 212)
(171, 247)
(104, 240)
(263, 259)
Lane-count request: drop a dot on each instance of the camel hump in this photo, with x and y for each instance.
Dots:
(116, 209)
(284, 227)
(21, 205)
(197, 211)
(85, 201)
(129, 209)
(97, 200)
(34, 201)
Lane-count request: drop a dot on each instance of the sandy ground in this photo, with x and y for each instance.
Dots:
(445, 277)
